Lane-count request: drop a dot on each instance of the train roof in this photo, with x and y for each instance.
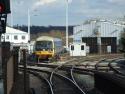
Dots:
(48, 38)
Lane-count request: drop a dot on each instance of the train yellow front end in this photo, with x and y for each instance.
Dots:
(44, 54)
(47, 47)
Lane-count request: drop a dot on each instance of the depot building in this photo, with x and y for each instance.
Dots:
(99, 35)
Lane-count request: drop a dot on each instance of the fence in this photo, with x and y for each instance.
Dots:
(9, 66)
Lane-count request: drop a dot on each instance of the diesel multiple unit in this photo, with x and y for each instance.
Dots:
(47, 47)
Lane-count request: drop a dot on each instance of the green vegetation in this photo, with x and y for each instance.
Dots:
(122, 42)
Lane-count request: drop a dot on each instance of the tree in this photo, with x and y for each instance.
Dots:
(122, 42)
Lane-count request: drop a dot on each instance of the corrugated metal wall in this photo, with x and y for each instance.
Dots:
(106, 29)
(109, 32)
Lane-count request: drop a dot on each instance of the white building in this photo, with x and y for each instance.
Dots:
(99, 32)
(15, 37)
(78, 49)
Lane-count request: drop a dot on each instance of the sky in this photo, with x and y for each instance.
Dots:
(53, 12)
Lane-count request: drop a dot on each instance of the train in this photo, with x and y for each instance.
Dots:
(46, 47)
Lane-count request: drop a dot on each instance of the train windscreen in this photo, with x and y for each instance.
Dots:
(43, 45)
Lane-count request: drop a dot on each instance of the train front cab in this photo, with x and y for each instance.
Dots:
(45, 53)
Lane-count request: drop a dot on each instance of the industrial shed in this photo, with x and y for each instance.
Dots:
(99, 35)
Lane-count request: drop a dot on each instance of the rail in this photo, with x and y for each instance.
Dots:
(59, 76)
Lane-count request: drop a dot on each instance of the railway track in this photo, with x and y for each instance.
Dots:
(84, 66)
(120, 70)
(67, 79)
(72, 78)
(49, 89)
(57, 82)
(73, 66)
(75, 89)
(101, 65)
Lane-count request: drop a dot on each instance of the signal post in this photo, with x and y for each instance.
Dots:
(5, 67)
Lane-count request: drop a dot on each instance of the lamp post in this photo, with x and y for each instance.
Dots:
(11, 5)
(67, 30)
(98, 35)
(28, 25)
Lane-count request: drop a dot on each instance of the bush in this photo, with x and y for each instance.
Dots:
(122, 43)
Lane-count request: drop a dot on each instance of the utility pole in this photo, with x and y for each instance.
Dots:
(67, 18)
(11, 13)
(29, 25)
(4, 10)
(98, 38)
(3, 68)
(99, 43)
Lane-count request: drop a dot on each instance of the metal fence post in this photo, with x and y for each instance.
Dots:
(5, 57)
(24, 71)
(15, 61)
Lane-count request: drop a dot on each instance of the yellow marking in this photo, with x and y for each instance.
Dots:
(44, 53)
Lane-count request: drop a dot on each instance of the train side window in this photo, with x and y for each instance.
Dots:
(82, 47)
(72, 47)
